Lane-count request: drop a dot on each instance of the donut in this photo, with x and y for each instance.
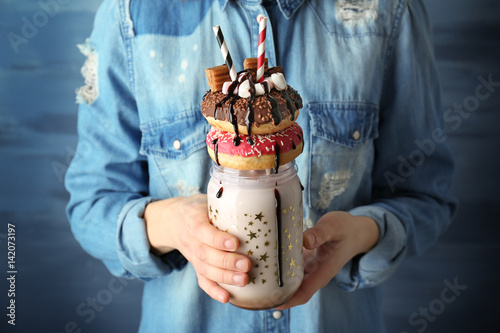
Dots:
(255, 152)
(271, 110)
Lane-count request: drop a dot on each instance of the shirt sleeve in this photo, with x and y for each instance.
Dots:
(108, 178)
(413, 167)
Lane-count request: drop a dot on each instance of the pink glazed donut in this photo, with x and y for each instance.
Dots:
(267, 151)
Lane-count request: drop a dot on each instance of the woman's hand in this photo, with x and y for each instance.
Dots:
(336, 239)
(182, 224)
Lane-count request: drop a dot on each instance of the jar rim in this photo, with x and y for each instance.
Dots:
(285, 172)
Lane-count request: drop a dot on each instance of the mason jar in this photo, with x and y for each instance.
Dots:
(263, 209)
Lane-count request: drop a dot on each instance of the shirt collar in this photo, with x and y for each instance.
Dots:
(287, 7)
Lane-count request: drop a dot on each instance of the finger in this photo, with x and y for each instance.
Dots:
(325, 230)
(309, 239)
(222, 259)
(221, 275)
(213, 289)
(208, 234)
(313, 281)
(315, 237)
(319, 269)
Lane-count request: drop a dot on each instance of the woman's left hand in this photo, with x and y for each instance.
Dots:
(336, 239)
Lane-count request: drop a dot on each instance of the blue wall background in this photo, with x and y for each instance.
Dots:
(37, 140)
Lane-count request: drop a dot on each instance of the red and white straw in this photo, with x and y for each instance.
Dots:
(261, 56)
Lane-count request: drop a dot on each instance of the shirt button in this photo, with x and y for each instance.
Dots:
(277, 314)
(177, 145)
(356, 135)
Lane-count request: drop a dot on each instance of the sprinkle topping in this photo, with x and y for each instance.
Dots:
(288, 139)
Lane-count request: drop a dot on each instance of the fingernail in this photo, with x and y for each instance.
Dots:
(311, 239)
(230, 244)
(242, 265)
(221, 298)
(238, 279)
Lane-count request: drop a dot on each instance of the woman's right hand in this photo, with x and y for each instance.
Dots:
(182, 223)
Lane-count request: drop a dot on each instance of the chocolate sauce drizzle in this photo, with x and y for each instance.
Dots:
(234, 121)
(300, 139)
(297, 101)
(218, 105)
(278, 228)
(215, 142)
(292, 106)
(289, 103)
(277, 150)
(250, 114)
(275, 112)
(219, 192)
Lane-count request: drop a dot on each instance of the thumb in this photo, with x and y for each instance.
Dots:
(316, 236)
(325, 230)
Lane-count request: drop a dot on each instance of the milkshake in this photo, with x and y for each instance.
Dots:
(263, 210)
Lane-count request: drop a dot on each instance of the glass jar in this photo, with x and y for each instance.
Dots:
(263, 209)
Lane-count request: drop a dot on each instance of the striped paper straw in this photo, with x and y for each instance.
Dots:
(225, 52)
(261, 56)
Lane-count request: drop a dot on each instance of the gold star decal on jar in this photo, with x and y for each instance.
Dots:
(290, 247)
(264, 281)
(264, 257)
(259, 216)
(250, 223)
(251, 279)
(292, 263)
(249, 253)
(252, 235)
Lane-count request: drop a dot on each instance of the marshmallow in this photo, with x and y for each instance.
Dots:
(244, 89)
(279, 81)
(269, 83)
(259, 89)
(225, 88)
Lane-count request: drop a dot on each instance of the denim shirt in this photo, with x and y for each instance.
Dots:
(373, 142)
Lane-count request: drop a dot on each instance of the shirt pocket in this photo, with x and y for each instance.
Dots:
(177, 157)
(347, 18)
(342, 154)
